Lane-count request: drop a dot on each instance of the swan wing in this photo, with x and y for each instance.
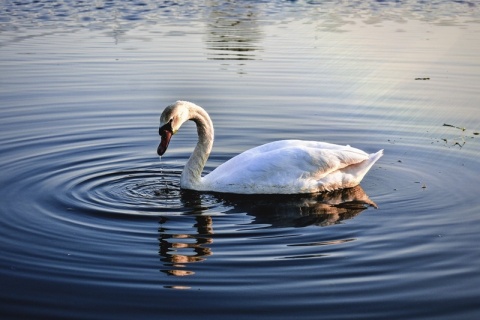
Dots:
(287, 166)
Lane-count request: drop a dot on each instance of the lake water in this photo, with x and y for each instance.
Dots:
(93, 225)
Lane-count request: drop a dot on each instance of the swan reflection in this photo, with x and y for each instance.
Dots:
(184, 240)
(322, 209)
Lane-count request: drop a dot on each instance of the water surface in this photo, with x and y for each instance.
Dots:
(94, 225)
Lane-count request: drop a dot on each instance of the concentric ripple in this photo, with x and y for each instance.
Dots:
(144, 191)
(140, 191)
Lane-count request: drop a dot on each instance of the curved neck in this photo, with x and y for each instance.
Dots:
(192, 173)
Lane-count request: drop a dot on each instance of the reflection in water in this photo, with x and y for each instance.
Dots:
(232, 30)
(178, 249)
(185, 242)
(323, 209)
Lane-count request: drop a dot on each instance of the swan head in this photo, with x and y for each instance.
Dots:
(171, 120)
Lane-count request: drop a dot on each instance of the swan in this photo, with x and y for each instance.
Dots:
(280, 167)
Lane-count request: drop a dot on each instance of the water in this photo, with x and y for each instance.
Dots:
(94, 225)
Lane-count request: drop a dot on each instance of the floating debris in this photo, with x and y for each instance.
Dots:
(422, 78)
(459, 141)
(452, 126)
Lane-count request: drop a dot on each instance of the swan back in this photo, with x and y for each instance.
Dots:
(291, 167)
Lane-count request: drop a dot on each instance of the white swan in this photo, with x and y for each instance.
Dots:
(280, 167)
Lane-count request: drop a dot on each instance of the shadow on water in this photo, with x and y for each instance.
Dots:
(188, 241)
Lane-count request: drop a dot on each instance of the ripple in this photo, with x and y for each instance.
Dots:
(412, 174)
(140, 191)
(322, 243)
(146, 191)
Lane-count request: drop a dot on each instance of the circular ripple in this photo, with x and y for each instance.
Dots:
(411, 175)
(133, 189)
(144, 191)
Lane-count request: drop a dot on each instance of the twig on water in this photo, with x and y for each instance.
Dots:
(450, 125)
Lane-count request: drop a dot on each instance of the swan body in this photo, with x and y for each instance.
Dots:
(280, 167)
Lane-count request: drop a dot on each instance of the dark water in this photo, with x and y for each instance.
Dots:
(93, 224)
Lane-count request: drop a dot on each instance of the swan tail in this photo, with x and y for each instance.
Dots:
(350, 176)
(361, 169)
(373, 157)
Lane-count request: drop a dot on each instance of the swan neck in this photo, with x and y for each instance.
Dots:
(192, 173)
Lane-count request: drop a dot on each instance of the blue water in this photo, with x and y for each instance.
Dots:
(94, 225)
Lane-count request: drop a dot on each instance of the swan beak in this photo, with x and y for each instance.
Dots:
(165, 135)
